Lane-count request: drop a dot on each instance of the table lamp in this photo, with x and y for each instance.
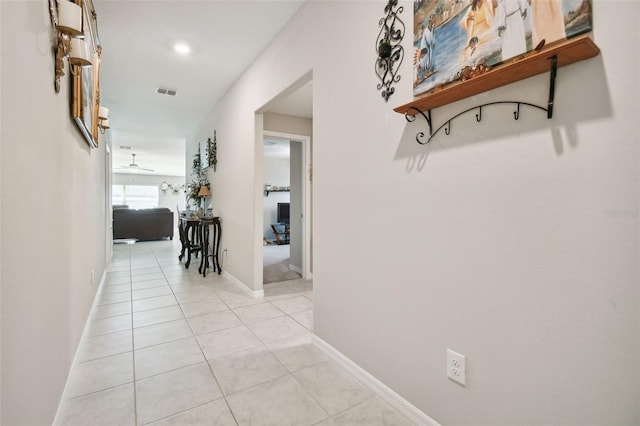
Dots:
(204, 192)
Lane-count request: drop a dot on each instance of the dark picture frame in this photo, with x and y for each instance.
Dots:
(85, 84)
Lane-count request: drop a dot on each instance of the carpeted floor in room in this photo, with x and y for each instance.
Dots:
(276, 264)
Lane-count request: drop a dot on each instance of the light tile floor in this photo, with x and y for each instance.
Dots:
(166, 346)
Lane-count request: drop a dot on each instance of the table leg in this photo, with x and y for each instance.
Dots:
(188, 243)
(195, 237)
(182, 239)
(217, 234)
(204, 243)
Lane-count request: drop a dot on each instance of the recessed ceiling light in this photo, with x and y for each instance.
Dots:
(182, 48)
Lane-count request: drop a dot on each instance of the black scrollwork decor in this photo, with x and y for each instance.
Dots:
(389, 48)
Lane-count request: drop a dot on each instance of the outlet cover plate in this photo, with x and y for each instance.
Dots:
(456, 367)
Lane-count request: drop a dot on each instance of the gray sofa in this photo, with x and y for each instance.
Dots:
(143, 224)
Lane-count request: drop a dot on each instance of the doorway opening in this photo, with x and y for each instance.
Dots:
(283, 198)
(286, 216)
(284, 207)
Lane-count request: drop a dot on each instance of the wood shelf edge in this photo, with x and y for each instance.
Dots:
(567, 51)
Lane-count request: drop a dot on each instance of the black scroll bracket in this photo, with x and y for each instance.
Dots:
(411, 113)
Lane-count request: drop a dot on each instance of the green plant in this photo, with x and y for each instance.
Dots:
(384, 48)
(192, 192)
(212, 152)
(199, 178)
(197, 162)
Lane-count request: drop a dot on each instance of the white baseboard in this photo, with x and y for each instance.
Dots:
(400, 404)
(295, 269)
(253, 293)
(76, 357)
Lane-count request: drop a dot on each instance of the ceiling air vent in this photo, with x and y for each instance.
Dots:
(165, 91)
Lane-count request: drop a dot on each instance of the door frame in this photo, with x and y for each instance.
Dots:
(108, 182)
(306, 195)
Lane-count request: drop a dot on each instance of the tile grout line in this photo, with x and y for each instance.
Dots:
(202, 352)
(133, 347)
(84, 395)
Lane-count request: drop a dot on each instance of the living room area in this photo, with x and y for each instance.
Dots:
(142, 212)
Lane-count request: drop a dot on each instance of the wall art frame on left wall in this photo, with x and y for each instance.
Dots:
(85, 86)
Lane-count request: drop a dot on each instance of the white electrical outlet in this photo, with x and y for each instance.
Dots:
(456, 367)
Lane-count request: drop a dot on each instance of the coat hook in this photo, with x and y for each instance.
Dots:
(423, 139)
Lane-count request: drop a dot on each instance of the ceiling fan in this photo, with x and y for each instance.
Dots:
(133, 167)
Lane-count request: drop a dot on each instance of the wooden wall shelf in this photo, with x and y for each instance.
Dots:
(567, 52)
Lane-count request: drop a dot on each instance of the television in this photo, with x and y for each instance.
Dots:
(283, 213)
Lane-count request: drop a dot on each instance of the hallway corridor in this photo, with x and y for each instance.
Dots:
(166, 346)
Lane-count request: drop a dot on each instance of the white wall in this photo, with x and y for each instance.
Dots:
(276, 172)
(53, 220)
(514, 243)
(283, 123)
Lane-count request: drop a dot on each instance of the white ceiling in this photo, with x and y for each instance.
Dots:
(137, 40)
(274, 147)
(298, 103)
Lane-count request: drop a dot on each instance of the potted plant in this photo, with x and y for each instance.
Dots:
(192, 193)
(384, 48)
(199, 180)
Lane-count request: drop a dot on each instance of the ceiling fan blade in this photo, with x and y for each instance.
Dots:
(134, 167)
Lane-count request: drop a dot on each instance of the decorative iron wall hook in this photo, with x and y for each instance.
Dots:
(410, 114)
(516, 113)
(411, 117)
(389, 48)
(447, 129)
(552, 85)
